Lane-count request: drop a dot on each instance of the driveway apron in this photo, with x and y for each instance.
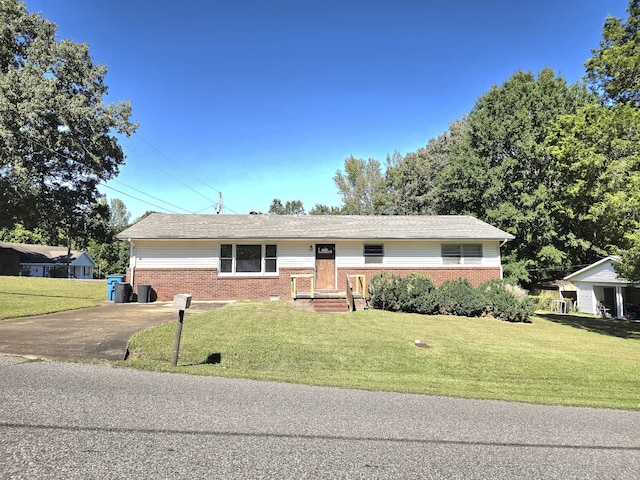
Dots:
(100, 333)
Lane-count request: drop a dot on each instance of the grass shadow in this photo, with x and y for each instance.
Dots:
(605, 326)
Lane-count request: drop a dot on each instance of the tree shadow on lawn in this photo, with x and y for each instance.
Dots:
(604, 326)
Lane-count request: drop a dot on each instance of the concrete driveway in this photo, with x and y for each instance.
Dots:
(100, 333)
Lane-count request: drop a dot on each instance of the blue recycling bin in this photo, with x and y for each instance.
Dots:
(111, 285)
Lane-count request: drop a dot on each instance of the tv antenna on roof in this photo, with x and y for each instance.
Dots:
(219, 204)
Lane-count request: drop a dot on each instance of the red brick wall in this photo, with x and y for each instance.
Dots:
(205, 284)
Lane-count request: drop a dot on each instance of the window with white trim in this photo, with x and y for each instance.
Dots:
(248, 258)
(270, 258)
(373, 253)
(461, 254)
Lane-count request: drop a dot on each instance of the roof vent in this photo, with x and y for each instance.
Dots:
(253, 213)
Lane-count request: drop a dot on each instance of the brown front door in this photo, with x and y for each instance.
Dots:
(325, 266)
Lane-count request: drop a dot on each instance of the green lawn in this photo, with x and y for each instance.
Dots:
(554, 360)
(25, 296)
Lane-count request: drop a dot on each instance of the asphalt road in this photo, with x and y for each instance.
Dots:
(84, 421)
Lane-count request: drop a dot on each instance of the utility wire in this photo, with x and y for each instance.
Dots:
(64, 158)
(151, 196)
(139, 199)
(189, 172)
(168, 174)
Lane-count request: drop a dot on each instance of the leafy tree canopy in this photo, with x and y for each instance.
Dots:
(613, 69)
(320, 209)
(503, 173)
(598, 150)
(293, 207)
(413, 181)
(362, 186)
(57, 135)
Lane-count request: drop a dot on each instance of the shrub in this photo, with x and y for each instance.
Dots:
(507, 301)
(542, 302)
(382, 291)
(458, 297)
(416, 293)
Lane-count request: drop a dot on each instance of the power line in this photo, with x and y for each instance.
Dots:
(169, 174)
(151, 196)
(139, 199)
(65, 158)
(189, 172)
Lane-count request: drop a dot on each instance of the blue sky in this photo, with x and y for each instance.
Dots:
(262, 100)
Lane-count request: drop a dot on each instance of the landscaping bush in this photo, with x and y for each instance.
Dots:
(416, 294)
(413, 293)
(382, 291)
(458, 297)
(542, 302)
(507, 301)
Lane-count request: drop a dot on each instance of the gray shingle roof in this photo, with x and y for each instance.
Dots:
(330, 227)
(41, 253)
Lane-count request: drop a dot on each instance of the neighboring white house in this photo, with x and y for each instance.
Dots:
(45, 261)
(600, 284)
(230, 257)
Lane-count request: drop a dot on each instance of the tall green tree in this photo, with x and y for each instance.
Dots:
(57, 135)
(361, 186)
(320, 209)
(291, 207)
(598, 151)
(504, 174)
(105, 221)
(613, 70)
(414, 181)
(119, 217)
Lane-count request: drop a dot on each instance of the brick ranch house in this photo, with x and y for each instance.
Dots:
(261, 257)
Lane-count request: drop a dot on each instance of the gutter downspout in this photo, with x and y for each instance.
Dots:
(132, 262)
(499, 247)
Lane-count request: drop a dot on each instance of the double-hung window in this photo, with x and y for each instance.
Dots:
(373, 253)
(247, 259)
(461, 254)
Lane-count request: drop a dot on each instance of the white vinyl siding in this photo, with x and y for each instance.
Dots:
(296, 254)
(301, 254)
(586, 297)
(411, 254)
(176, 254)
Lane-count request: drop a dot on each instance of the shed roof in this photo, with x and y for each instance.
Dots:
(329, 227)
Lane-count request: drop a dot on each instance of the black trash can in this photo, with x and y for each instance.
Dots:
(122, 292)
(144, 292)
